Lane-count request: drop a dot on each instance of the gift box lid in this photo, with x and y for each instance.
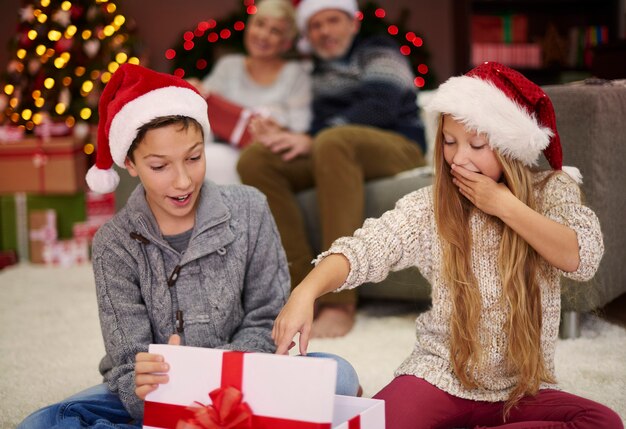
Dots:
(284, 387)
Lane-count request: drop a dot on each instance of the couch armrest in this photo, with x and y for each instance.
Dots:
(591, 120)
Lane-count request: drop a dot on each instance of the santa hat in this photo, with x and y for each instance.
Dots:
(515, 114)
(132, 98)
(308, 8)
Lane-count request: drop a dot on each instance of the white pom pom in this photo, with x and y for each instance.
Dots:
(574, 173)
(304, 46)
(102, 181)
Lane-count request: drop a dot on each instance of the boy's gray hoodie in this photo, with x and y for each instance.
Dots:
(229, 284)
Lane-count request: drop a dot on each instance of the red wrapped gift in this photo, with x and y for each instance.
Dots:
(100, 207)
(7, 257)
(280, 391)
(85, 230)
(210, 388)
(229, 121)
(66, 253)
(56, 166)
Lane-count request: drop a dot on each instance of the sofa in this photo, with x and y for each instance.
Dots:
(591, 119)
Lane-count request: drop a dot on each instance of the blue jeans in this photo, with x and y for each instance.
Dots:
(99, 408)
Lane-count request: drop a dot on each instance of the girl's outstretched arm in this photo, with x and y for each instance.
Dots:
(297, 315)
(555, 242)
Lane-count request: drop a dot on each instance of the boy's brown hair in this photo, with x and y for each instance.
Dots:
(163, 121)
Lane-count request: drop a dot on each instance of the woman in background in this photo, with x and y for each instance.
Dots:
(262, 80)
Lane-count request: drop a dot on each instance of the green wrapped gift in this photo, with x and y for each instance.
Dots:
(14, 211)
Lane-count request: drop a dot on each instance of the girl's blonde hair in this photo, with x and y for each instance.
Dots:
(279, 9)
(519, 266)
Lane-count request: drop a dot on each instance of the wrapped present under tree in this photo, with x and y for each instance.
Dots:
(45, 166)
(14, 212)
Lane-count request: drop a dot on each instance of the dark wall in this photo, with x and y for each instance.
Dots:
(161, 22)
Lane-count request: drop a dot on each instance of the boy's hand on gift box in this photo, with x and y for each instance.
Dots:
(150, 370)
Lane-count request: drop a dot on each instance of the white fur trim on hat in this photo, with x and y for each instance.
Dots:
(166, 101)
(308, 8)
(102, 181)
(574, 173)
(483, 107)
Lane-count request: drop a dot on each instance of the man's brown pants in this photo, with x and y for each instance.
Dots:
(343, 158)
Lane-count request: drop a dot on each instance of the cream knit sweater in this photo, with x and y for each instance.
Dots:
(407, 236)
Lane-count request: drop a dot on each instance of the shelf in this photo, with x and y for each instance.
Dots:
(558, 34)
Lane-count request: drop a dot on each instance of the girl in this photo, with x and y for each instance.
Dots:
(493, 237)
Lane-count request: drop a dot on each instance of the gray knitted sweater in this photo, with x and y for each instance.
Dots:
(371, 85)
(229, 284)
(407, 236)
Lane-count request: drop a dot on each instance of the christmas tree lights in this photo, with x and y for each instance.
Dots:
(199, 48)
(64, 52)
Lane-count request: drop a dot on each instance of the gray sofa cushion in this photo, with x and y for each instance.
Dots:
(380, 196)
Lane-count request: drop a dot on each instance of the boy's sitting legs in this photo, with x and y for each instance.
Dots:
(347, 378)
(95, 407)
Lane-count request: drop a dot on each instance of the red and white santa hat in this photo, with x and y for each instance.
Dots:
(132, 98)
(515, 114)
(307, 8)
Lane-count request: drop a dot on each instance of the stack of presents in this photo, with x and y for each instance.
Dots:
(47, 216)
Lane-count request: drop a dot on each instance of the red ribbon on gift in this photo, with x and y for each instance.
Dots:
(40, 159)
(48, 232)
(229, 405)
(228, 411)
(355, 422)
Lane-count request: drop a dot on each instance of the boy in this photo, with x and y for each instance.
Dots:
(182, 257)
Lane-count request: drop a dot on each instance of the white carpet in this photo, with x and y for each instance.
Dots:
(50, 344)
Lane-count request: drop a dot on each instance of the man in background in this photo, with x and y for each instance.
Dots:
(365, 126)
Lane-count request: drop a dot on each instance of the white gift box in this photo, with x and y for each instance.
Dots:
(284, 392)
(358, 413)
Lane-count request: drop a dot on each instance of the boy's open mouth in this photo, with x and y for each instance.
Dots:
(182, 198)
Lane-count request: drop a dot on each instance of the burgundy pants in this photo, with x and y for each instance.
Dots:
(412, 403)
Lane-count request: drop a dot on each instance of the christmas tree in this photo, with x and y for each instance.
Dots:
(63, 54)
(200, 47)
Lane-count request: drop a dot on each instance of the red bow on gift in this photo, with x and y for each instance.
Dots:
(227, 411)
